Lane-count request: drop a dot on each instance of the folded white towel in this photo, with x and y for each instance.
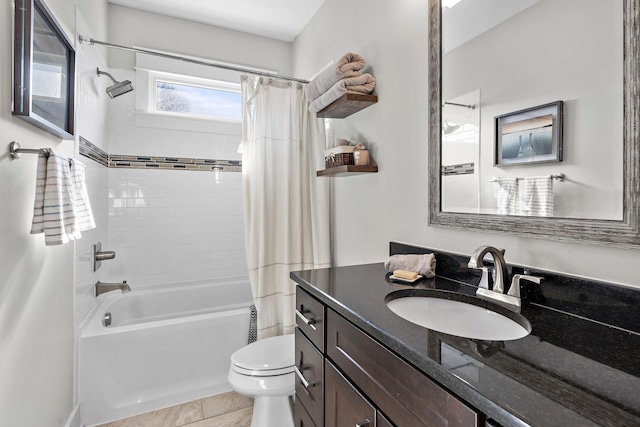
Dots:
(421, 264)
(55, 212)
(362, 84)
(348, 66)
(538, 196)
(508, 196)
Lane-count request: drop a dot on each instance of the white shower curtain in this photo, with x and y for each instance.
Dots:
(286, 207)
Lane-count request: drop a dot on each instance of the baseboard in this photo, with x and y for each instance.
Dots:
(74, 418)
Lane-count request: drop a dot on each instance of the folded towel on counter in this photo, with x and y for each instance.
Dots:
(348, 66)
(61, 209)
(362, 84)
(538, 196)
(421, 264)
(508, 196)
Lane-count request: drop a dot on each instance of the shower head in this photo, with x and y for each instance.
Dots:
(118, 88)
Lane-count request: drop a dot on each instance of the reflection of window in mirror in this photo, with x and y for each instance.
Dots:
(44, 67)
(49, 73)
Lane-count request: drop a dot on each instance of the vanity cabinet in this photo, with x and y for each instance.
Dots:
(349, 379)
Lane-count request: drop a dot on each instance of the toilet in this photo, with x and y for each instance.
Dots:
(264, 370)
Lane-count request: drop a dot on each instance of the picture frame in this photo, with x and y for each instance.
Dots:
(532, 135)
(44, 61)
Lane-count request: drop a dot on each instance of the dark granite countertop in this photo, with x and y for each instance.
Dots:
(572, 370)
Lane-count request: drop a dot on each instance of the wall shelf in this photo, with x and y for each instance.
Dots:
(346, 105)
(348, 170)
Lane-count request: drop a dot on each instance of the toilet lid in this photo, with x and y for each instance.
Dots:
(268, 356)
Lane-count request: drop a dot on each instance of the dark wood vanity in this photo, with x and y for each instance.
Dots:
(363, 378)
(361, 365)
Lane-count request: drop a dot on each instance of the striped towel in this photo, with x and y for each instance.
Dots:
(61, 209)
(538, 196)
(81, 205)
(508, 198)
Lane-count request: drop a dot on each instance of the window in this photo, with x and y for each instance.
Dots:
(196, 97)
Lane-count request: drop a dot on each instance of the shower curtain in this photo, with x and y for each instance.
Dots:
(286, 207)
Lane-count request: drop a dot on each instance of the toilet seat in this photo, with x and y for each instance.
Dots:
(272, 356)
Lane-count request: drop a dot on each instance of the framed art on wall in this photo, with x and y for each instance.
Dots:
(533, 135)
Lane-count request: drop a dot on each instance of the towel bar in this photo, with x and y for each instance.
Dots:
(558, 176)
(15, 151)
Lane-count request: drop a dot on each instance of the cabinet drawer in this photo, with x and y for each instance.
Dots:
(405, 395)
(309, 378)
(345, 406)
(310, 317)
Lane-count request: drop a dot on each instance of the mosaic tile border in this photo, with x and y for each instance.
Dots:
(461, 169)
(93, 152)
(181, 163)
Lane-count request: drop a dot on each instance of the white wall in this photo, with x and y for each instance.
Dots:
(370, 210)
(131, 27)
(36, 282)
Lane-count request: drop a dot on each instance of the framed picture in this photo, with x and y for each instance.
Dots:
(529, 136)
(43, 70)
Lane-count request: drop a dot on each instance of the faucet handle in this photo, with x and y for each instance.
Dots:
(486, 281)
(514, 290)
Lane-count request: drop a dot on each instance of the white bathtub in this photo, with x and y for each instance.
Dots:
(166, 345)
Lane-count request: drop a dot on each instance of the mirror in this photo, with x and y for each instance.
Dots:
(482, 106)
(43, 70)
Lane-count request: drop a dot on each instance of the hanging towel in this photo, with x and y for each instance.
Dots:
(81, 205)
(362, 84)
(538, 196)
(348, 66)
(421, 264)
(55, 212)
(508, 198)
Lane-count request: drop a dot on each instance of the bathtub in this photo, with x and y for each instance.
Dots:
(166, 345)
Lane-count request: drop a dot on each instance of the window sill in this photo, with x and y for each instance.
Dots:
(192, 124)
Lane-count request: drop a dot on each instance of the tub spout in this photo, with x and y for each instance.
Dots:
(102, 287)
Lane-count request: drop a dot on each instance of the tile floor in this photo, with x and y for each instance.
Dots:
(222, 410)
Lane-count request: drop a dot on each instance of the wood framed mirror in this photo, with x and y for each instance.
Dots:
(623, 232)
(43, 70)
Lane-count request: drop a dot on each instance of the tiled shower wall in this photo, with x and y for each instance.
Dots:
(170, 226)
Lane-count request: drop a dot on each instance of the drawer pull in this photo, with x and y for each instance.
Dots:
(310, 322)
(303, 380)
(363, 423)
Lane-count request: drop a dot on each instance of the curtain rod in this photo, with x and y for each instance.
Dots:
(90, 41)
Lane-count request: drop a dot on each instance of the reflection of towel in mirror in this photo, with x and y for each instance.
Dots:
(361, 84)
(421, 264)
(348, 66)
(508, 199)
(538, 196)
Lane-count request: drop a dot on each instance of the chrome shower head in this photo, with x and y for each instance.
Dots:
(118, 88)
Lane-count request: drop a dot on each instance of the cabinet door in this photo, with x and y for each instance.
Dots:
(345, 406)
(406, 396)
(309, 378)
(381, 421)
(301, 417)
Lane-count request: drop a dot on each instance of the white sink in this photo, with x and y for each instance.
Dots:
(457, 314)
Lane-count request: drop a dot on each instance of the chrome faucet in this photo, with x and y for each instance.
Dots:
(101, 287)
(494, 289)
